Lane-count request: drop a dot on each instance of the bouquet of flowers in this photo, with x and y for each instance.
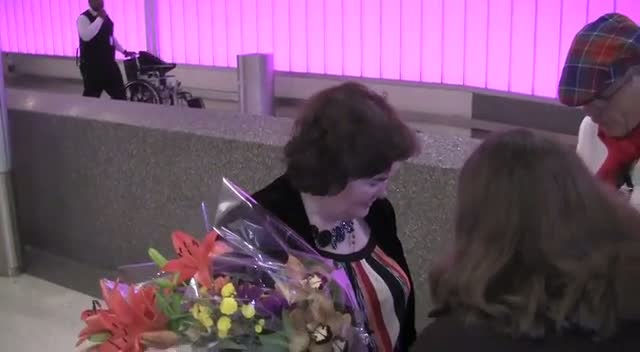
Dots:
(251, 284)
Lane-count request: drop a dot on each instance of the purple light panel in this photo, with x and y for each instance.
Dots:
(432, 44)
(352, 37)
(453, 31)
(390, 39)
(281, 34)
(371, 50)
(547, 36)
(507, 45)
(315, 25)
(410, 39)
(499, 45)
(48, 27)
(475, 49)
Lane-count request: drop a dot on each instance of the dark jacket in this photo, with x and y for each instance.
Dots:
(448, 334)
(99, 50)
(284, 201)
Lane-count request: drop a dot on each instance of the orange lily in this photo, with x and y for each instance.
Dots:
(125, 319)
(194, 257)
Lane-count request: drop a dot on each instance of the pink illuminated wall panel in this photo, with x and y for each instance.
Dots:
(629, 7)
(475, 40)
(499, 23)
(507, 45)
(453, 31)
(352, 37)
(371, 50)
(523, 41)
(316, 35)
(547, 45)
(410, 40)
(432, 41)
(48, 27)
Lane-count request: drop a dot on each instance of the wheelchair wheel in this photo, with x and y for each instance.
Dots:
(186, 99)
(142, 92)
(183, 99)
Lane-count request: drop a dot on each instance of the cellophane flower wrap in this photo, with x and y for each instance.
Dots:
(250, 284)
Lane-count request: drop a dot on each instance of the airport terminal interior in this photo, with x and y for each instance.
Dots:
(212, 89)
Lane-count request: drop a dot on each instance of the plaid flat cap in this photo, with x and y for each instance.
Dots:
(601, 53)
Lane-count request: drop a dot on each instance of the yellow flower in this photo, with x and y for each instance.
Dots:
(224, 324)
(258, 329)
(248, 311)
(203, 291)
(223, 333)
(228, 290)
(228, 306)
(203, 314)
(261, 322)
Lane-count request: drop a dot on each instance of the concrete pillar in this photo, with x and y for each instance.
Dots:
(256, 84)
(10, 259)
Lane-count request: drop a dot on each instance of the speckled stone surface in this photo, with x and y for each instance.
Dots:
(99, 182)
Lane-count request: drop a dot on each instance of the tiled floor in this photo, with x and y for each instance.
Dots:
(39, 316)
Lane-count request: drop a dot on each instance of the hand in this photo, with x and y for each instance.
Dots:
(102, 14)
(160, 340)
(127, 53)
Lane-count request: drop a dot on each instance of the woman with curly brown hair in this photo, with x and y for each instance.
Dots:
(346, 145)
(544, 258)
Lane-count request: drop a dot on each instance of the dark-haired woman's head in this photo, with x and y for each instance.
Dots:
(346, 143)
(537, 240)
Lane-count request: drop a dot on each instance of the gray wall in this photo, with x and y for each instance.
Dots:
(98, 182)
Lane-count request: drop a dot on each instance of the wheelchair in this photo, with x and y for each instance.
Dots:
(148, 82)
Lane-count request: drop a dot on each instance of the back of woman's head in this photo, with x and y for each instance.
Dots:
(537, 240)
(345, 133)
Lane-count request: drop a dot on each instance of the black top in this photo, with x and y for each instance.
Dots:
(285, 202)
(98, 50)
(448, 334)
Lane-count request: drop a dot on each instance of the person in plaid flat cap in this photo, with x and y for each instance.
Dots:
(602, 75)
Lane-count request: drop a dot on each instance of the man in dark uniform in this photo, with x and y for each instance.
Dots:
(100, 71)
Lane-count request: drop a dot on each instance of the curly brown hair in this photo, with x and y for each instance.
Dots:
(539, 244)
(344, 133)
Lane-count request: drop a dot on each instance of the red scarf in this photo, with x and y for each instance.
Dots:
(622, 152)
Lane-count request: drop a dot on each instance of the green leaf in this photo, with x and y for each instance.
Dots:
(176, 276)
(157, 258)
(183, 316)
(100, 337)
(274, 342)
(164, 305)
(175, 325)
(164, 283)
(227, 344)
(176, 303)
(181, 322)
(286, 323)
(184, 325)
(337, 294)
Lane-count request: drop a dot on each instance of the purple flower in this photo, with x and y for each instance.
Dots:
(271, 305)
(249, 292)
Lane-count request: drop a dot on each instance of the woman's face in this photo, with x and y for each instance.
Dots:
(356, 198)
